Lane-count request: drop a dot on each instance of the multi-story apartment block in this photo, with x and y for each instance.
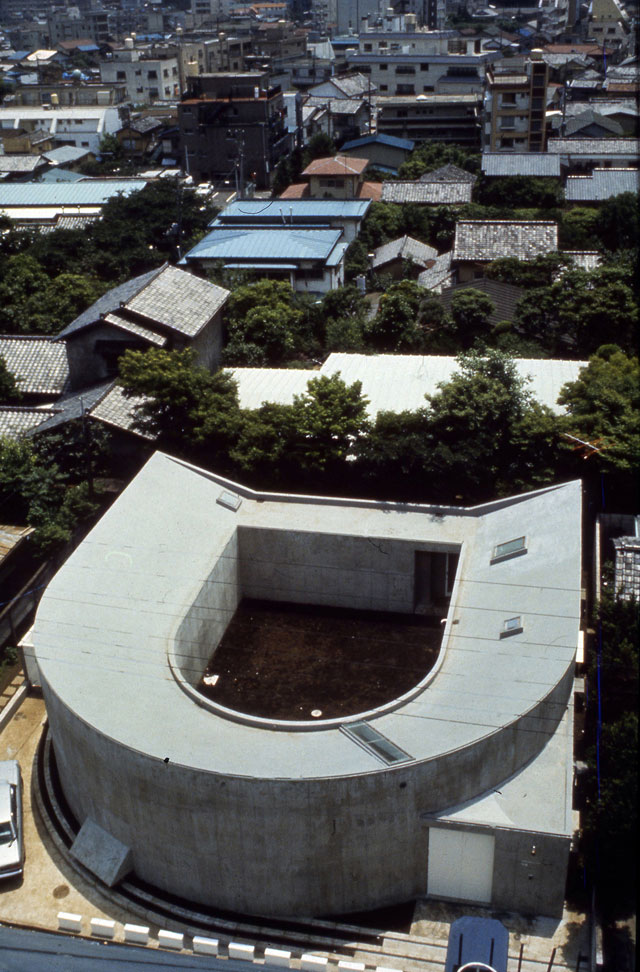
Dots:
(63, 26)
(68, 94)
(233, 125)
(515, 107)
(436, 117)
(147, 78)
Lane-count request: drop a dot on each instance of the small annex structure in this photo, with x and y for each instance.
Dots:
(402, 256)
(316, 816)
(164, 308)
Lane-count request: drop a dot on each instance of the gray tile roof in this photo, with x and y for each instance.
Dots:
(118, 411)
(591, 117)
(601, 184)
(626, 147)
(73, 406)
(337, 106)
(66, 153)
(520, 164)
(404, 248)
(439, 275)
(121, 322)
(427, 193)
(178, 300)
(448, 173)
(353, 86)
(19, 163)
(486, 240)
(16, 422)
(166, 298)
(40, 365)
(111, 301)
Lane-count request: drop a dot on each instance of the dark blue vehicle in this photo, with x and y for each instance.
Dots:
(477, 945)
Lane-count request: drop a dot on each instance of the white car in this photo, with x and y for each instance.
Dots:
(11, 842)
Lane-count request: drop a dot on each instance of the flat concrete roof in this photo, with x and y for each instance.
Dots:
(108, 618)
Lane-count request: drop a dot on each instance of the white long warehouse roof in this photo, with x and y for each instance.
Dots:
(394, 382)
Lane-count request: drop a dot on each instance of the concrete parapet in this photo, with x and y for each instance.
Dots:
(313, 963)
(205, 946)
(103, 928)
(169, 939)
(138, 934)
(277, 956)
(69, 922)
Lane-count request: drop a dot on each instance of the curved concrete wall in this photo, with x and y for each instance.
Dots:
(277, 847)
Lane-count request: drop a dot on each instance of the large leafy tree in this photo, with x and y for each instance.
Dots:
(398, 326)
(266, 324)
(187, 410)
(8, 387)
(603, 406)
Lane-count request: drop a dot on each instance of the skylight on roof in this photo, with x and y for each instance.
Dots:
(375, 743)
(512, 626)
(511, 548)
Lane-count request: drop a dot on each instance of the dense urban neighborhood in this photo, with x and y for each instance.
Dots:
(319, 452)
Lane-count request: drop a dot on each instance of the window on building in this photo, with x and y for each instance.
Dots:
(405, 69)
(508, 98)
(405, 89)
(121, 76)
(384, 87)
(152, 75)
(377, 744)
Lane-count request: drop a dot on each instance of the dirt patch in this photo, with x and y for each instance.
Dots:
(291, 661)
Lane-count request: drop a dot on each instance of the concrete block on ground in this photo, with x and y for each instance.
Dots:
(313, 963)
(69, 922)
(205, 946)
(350, 966)
(246, 953)
(277, 956)
(103, 927)
(169, 939)
(103, 855)
(136, 933)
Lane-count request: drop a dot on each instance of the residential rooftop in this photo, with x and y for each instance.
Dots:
(485, 240)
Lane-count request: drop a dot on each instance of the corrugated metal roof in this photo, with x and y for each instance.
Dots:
(291, 245)
(585, 259)
(66, 153)
(89, 192)
(393, 382)
(601, 184)
(40, 365)
(504, 296)
(404, 248)
(406, 144)
(486, 240)
(427, 193)
(246, 210)
(520, 164)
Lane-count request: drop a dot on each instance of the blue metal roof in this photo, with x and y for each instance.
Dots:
(89, 192)
(265, 246)
(401, 143)
(283, 210)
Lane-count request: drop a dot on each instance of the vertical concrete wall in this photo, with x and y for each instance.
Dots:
(339, 571)
(206, 620)
(208, 344)
(309, 846)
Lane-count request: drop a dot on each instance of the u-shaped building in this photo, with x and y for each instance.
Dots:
(460, 789)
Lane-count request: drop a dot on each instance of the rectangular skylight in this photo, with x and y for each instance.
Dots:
(511, 548)
(512, 626)
(375, 743)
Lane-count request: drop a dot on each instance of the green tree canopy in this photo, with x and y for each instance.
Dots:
(188, 410)
(470, 313)
(266, 324)
(8, 387)
(397, 325)
(603, 405)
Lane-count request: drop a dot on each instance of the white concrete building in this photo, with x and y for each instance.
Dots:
(309, 815)
(81, 126)
(147, 78)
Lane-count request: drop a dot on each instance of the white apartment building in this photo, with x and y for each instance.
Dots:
(82, 126)
(147, 79)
